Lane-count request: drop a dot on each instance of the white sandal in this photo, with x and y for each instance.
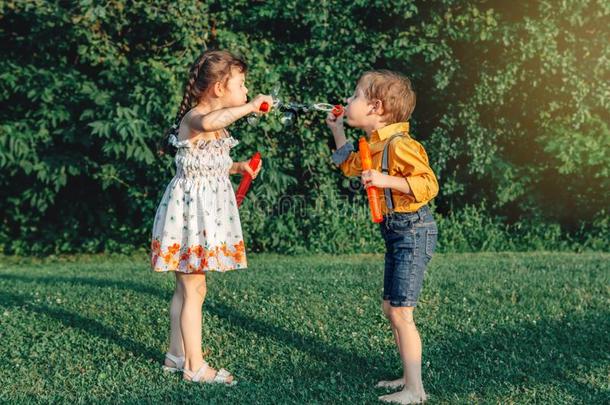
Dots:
(178, 363)
(221, 376)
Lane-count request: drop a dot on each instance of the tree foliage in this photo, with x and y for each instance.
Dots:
(513, 103)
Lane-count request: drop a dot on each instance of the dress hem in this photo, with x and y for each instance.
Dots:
(199, 271)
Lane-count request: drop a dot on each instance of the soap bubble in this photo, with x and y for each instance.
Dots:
(323, 106)
(252, 119)
(288, 118)
(275, 91)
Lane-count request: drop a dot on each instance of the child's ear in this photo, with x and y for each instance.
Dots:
(219, 89)
(378, 107)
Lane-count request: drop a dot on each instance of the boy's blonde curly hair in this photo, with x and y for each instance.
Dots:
(393, 89)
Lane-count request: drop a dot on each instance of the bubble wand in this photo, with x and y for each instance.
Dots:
(291, 109)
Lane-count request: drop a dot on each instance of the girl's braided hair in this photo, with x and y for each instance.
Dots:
(210, 67)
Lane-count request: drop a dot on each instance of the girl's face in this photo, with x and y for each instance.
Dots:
(358, 109)
(236, 91)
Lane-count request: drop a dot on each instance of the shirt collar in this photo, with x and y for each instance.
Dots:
(389, 130)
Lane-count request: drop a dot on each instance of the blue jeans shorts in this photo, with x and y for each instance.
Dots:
(410, 240)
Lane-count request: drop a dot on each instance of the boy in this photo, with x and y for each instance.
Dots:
(381, 105)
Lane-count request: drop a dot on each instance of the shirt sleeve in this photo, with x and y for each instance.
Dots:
(348, 160)
(410, 160)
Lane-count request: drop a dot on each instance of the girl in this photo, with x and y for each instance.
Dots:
(197, 227)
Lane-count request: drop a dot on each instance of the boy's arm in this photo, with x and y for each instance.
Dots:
(416, 177)
(348, 160)
(398, 183)
(412, 163)
(344, 157)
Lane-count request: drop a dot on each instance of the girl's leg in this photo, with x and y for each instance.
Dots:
(194, 290)
(176, 344)
(410, 354)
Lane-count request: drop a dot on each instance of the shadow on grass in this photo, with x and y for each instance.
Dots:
(550, 352)
(525, 354)
(337, 357)
(76, 321)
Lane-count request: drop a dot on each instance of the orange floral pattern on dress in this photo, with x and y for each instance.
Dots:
(196, 258)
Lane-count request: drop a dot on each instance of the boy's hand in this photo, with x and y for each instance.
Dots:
(373, 178)
(335, 123)
(244, 167)
(255, 104)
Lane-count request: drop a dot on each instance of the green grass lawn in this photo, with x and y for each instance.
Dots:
(497, 328)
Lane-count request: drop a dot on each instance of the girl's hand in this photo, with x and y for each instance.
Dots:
(335, 123)
(244, 167)
(373, 178)
(255, 104)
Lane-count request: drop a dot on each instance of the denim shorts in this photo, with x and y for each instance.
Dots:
(410, 240)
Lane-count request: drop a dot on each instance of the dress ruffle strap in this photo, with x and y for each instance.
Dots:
(202, 143)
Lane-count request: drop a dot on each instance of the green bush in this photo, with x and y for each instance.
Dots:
(473, 229)
(512, 108)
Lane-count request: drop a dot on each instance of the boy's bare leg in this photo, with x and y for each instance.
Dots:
(399, 382)
(410, 352)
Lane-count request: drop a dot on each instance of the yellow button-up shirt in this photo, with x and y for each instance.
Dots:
(407, 158)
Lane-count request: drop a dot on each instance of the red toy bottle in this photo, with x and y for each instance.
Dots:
(246, 180)
(372, 192)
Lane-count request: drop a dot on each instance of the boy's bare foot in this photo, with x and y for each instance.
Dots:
(404, 397)
(397, 383)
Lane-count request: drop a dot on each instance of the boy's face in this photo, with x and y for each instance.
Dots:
(358, 110)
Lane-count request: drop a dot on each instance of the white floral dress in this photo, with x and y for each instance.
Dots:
(197, 226)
